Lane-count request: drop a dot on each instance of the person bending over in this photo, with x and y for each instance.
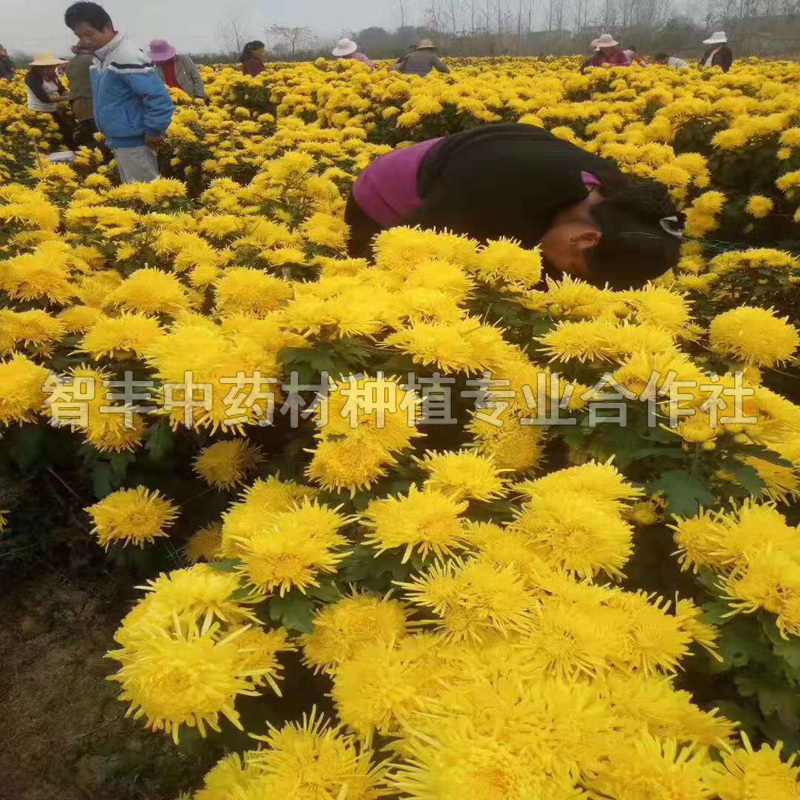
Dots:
(517, 181)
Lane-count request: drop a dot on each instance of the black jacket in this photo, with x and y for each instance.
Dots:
(6, 68)
(722, 58)
(504, 180)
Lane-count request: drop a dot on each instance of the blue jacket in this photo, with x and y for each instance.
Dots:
(130, 99)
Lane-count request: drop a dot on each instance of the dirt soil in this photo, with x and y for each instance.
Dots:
(64, 735)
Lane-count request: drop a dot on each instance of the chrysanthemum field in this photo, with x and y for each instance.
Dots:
(531, 542)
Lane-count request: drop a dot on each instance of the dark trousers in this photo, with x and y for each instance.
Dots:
(84, 133)
(65, 127)
(362, 229)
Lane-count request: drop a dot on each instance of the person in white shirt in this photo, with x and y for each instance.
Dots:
(670, 61)
(46, 92)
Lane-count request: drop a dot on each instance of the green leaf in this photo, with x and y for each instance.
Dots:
(772, 699)
(632, 443)
(159, 440)
(765, 455)
(685, 494)
(749, 721)
(102, 479)
(788, 650)
(27, 445)
(227, 565)
(327, 592)
(746, 474)
(294, 610)
(573, 435)
(742, 643)
(358, 565)
(714, 613)
(119, 466)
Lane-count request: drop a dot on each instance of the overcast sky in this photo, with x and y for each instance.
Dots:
(38, 25)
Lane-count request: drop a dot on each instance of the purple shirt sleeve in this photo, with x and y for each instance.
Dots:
(387, 189)
(361, 57)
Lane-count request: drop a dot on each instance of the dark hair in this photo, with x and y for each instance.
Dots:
(250, 48)
(634, 247)
(661, 57)
(632, 47)
(90, 13)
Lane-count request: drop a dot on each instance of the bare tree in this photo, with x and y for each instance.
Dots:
(232, 33)
(581, 12)
(555, 15)
(291, 37)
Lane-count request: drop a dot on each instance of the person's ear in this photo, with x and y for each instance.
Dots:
(586, 240)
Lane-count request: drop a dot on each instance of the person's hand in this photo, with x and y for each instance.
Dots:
(153, 142)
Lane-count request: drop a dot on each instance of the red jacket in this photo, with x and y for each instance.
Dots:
(252, 66)
(615, 59)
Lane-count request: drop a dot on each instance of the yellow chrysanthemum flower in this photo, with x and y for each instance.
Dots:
(512, 445)
(759, 206)
(150, 291)
(22, 391)
(578, 533)
(225, 464)
(463, 475)
(126, 336)
(205, 543)
(351, 464)
(505, 260)
(131, 516)
(755, 336)
(313, 758)
(428, 521)
(474, 599)
(290, 549)
(745, 772)
(80, 318)
(250, 291)
(344, 627)
(184, 677)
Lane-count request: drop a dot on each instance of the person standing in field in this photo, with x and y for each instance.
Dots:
(132, 107)
(80, 96)
(254, 56)
(177, 71)
(410, 49)
(6, 65)
(347, 48)
(421, 60)
(719, 54)
(46, 92)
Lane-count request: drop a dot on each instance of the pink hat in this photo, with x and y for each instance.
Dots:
(161, 50)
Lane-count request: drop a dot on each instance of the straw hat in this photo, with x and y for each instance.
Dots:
(344, 47)
(161, 50)
(426, 44)
(46, 60)
(718, 37)
(606, 40)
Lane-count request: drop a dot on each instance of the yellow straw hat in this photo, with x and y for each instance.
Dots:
(47, 60)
